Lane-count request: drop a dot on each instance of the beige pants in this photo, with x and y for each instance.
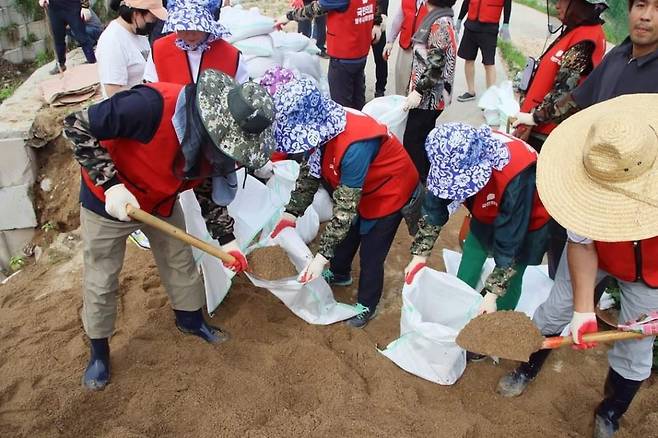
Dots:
(104, 250)
(403, 70)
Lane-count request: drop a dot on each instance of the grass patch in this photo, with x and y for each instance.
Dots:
(7, 90)
(514, 58)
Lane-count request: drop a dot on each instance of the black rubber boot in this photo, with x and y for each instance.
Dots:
(97, 374)
(192, 323)
(514, 383)
(618, 393)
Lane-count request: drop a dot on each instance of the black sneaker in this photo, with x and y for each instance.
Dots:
(475, 357)
(56, 70)
(362, 318)
(466, 97)
(513, 384)
(379, 94)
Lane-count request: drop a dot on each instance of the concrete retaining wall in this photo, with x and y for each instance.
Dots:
(21, 29)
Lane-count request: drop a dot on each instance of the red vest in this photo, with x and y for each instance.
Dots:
(172, 65)
(630, 261)
(485, 11)
(392, 176)
(411, 20)
(487, 201)
(349, 33)
(146, 169)
(549, 65)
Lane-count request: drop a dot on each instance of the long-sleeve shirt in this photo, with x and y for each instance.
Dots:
(353, 170)
(478, 26)
(134, 114)
(395, 22)
(507, 237)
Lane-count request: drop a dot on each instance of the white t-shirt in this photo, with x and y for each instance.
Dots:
(577, 238)
(194, 57)
(121, 56)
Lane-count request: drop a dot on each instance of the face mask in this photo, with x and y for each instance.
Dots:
(146, 29)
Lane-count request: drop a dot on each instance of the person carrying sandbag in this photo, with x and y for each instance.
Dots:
(493, 174)
(143, 147)
(367, 171)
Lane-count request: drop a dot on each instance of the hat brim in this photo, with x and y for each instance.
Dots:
(160, 13)
(250, 150)
(579, 204)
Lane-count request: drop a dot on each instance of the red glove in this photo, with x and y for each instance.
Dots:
(240, 263)
(296, 4)
(582, 323)
(287, 220)
(416, 264)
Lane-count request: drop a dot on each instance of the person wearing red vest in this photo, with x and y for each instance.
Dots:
(481, 33)
(493, 175)
(564, 65)
(142, 147)
(352, 26)
(404, 24)
(603, 188)
(367, 171)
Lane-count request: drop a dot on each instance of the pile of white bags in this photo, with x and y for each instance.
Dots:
(388, 111)
(263, 47)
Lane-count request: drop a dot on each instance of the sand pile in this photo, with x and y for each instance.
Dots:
(271, 263)
(506, 334)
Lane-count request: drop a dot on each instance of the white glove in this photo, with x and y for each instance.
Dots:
(582, 323)
(413, 100)
(117, 199)
(504, 33)
(376, 34)
(386, 53)
(43, 3)
(314, 269)
(85, 14)
(265, 172)
(488, 304)
(523, 119)
(416, 264)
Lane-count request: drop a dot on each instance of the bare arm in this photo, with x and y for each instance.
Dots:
(112, 89)
(583, 266)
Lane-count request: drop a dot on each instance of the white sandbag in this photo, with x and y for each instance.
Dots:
(308, 225)
(312, 47)
(258, 65)
(388, 110)
(499, 103)
(290, 41)
(314, 301)
(245, 23)
(259, 45)
(435, 307)
(323, 205)
(536, 282)
(304, 63)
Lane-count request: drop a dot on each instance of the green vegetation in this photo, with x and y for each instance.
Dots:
(513, 57)
(10, 32)
(7, 90)
(29, 39)
(16, 263)
(29, 9)
(48, 226)
(43, 58)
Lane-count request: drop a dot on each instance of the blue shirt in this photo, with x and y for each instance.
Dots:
(354, 168)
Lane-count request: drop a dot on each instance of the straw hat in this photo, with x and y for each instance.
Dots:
(597, 173)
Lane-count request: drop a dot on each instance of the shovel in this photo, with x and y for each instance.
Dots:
(512, 335)
(177, 233)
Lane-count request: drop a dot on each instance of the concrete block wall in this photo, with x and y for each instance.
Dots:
(15, 51)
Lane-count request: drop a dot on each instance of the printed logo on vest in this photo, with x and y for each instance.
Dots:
(365, 14)
(557, 57)
(491, 201)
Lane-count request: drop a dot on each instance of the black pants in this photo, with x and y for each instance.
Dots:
(347, 83)
(419, 124)
(381, 65)
(62, 15)
(314, 29)
(374, 248)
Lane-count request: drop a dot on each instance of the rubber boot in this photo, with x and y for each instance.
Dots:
(97, 374)
(514, 383)
(192, 323)
(618, 393)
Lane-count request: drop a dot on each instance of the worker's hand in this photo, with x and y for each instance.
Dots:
(376, 33)
(265, 172)
(386, 53)
(281, 21)
(240, 263)
(416, 264)
(523, 119)
(287, 220)
(314, 269)
(582, 323)
(43, 3)
(488, 304)
(85, 14)
(413, 100)
(458, 26)
(504, 32)
(117, 199)
(296, 4)
(498, 281)
(522, 132)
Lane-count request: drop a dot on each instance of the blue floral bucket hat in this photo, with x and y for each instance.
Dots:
(462, 159)
(194, 15)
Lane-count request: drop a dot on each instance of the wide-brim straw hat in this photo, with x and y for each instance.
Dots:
(597, 174)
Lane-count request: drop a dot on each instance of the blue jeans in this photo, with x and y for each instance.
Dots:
(62, 15)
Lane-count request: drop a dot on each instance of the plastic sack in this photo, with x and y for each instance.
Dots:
(290, 41)
(388, 110)
(499, 103)
(304, 63)
(536, 282)
(245, 23)
(435, 307)
(323, 205)
(258, 65)
(259, 45)
(314, 301)
(308, 225)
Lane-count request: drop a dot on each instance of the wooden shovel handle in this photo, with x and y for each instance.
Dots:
(177, 233)
(605, 336)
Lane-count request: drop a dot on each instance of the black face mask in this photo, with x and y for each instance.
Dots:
(146, 30)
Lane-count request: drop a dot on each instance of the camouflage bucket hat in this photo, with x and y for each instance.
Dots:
(238, 118)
